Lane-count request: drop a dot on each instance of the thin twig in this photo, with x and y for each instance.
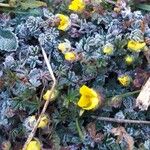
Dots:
(31, 135)
(41, 95)
(121, 120)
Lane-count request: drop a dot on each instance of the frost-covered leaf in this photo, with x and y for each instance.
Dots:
(8, 40)
(35, 77)
(147, 144)
(32, 4)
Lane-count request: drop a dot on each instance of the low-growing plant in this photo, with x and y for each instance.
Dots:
(98, 56)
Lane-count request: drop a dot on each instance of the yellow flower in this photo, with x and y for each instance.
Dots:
(70, 56)
(108, 49)
(89, 98)
(124, 80)
(129, 59)
(65, 46)
(117, 9)
(136, 46)
(77, 5)
(47, 94)
(31, 121)
(43, 122)
(64, 23)
(34, 145)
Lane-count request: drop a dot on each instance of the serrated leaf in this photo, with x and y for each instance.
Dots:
(32, 4)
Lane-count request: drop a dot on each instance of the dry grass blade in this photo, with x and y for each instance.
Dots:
(31, 135)
(121, 120)
(4, 5)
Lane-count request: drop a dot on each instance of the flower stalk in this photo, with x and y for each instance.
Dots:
(79, 130)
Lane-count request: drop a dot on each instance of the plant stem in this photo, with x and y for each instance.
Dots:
(121, 120)
(79, 130)
(108, 100)
(129, 93)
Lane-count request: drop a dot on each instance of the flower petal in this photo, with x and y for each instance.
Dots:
(94, 103)
(84, 101)
(84, 90)
(34, 145)
(136, 46)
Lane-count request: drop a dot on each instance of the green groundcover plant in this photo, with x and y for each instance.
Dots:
(99, 53)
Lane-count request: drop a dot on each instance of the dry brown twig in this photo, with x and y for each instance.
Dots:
(110, 1)
(31, 135)
(10, 4)
(121, 120)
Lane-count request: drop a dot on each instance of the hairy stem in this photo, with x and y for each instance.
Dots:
(129, 93)
(79, 130)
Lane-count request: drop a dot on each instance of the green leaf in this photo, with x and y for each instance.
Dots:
(56, 141)
(32, 4)
(144, 7)
(26, 101)
(8, 40)
(71, 97)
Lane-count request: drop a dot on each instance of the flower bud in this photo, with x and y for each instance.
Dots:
(124, 80)
(34, 145)
(108, 49)
(53, 95)
(129, 59)
(70, 56)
